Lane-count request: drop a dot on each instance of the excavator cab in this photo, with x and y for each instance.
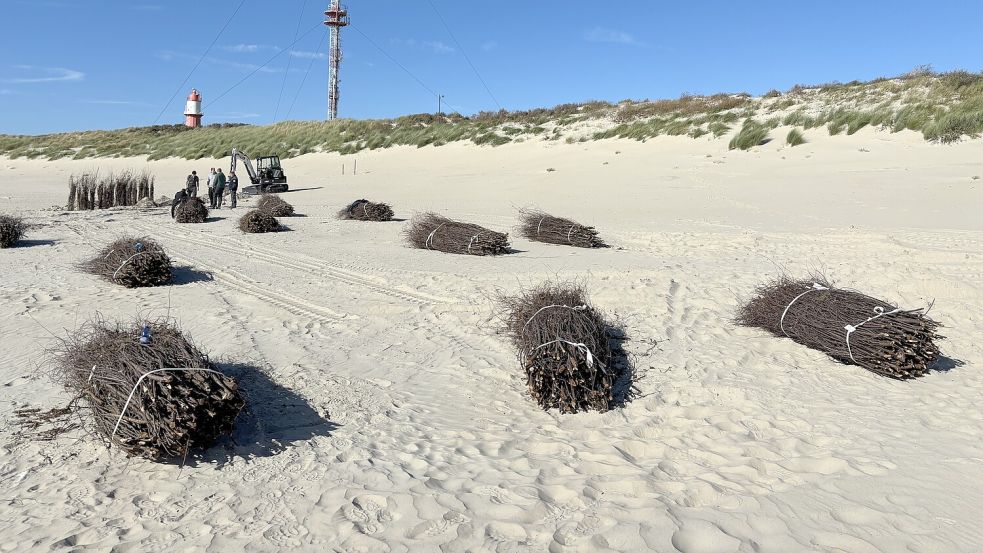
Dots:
(271, 173)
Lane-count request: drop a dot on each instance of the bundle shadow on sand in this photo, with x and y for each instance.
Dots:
(850, 327)
(565, 348)
(364, 210)
(275, 206)
(146, 388)
(540, 226)
(258, 221)
(12, 229)
(191, 210)
(430, 231)
(132, 262)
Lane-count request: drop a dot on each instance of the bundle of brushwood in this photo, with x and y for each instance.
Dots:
(564, 347)
(192, 210)
(146, 388)
(848, 326)
(364, 210)
(132, 262)
(258, 221)
(11, 230)
(543, 227)
(275, 206)
(435, 232)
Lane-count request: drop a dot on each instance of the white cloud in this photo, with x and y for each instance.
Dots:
(438, 47)
(44, 75)
(308, 55)
(600, 34)
(167, 55)
(249, 48)
(489, 46)
(434, 46)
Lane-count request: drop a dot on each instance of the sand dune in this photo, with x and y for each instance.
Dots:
(387, 413)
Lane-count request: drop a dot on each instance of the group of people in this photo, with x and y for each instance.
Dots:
(217, 183)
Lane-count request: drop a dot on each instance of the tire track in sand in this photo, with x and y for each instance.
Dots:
(299, 262)
(240, 283)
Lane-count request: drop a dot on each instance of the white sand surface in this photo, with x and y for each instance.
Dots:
(389, 414)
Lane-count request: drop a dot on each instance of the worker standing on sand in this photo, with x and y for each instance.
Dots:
(219, 188)
(233, 187)
(192, 185)
(211, 188)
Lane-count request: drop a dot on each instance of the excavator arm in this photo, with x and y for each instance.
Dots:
(240, 156)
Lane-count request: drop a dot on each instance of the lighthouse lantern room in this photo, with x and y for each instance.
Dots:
(192, 112)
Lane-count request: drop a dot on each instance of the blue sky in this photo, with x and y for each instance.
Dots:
(87, 64)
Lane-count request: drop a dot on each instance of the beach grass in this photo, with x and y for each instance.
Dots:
(943, 107)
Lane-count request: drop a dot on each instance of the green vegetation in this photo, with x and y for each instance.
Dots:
(751, 134)
(945, 108)
(795, 138)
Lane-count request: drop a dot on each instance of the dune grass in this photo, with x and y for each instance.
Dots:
(751, 134)
(795, 138)
(944, 107)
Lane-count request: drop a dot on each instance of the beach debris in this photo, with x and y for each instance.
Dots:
(191, 210)
(364, 210)
(849, 326)
(258, 221)
(12, 229)
(127, 188)
(430, 231)
(155, 398)
(540, 226)
(564, 347)
(275, 206)
(132, 262)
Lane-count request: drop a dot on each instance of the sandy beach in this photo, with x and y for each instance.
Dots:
(388, 412)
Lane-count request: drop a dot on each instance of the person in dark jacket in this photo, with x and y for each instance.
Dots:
(179, 198)
(233, 188)
(192, 185)
(219, 188)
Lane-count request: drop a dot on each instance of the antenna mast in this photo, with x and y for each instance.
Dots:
(336, 17)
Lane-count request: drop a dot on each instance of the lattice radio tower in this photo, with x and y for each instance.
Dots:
(336, 17)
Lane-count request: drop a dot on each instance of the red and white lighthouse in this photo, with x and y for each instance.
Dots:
(192, 112)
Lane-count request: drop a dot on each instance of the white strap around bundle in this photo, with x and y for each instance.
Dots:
(850, 329)
(815, 287)
(539, 227)
(125, 262)
(471, 242)
(429, 242)
(570, 232)
(575, 308)
(137, 386)
(580, 346)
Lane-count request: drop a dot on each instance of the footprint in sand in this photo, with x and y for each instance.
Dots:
(369, 513)
(432, 528)
(286, 536)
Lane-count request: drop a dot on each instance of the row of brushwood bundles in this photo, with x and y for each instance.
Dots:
(148, 390)
(428, 231)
